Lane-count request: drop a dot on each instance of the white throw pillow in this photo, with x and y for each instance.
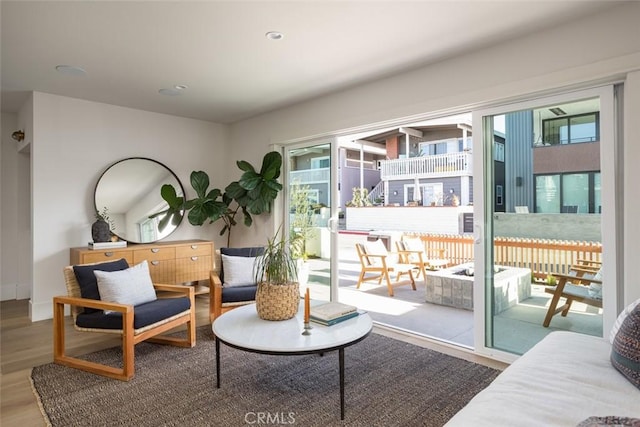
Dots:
(623, 315)
(238, 270)
(132, 286)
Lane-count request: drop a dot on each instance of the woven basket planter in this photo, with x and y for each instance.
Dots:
(277, 302)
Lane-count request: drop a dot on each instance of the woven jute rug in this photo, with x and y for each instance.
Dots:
(387, 383)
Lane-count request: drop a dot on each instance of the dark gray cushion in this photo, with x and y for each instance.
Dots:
(87, 280)
(253, 251)
(143, 314)
(238, 293)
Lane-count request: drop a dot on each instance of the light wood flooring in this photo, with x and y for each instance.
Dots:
(25, 344)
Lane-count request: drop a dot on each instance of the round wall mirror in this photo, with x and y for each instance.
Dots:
(128, 192)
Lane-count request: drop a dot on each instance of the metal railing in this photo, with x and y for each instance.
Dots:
(439, 165)
(308, 176)
(377, 193)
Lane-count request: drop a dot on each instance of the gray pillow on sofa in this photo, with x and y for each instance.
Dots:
(625, 350)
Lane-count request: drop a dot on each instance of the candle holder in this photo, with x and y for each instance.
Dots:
(307, 328)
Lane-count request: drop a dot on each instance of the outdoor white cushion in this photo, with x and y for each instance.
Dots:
(595, 289)
(414, 244)
(377, 247)
(238, 270)
(132, 286)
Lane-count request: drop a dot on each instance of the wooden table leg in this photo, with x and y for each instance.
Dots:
(341, 357)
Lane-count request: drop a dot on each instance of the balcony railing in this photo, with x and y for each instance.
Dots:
(310, 176)
(439, 165)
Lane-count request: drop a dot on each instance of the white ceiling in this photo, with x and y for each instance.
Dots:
(130, 50)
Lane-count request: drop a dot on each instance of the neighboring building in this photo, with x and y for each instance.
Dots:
(545, 161)
(426, 164)
(552, 159)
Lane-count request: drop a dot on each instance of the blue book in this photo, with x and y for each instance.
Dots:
(334, 321)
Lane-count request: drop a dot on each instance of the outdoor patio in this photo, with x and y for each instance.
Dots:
(516, 329)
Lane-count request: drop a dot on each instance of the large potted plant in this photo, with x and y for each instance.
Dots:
(253, 194)
(278, 294)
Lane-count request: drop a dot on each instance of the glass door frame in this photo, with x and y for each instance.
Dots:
(284, 218)
(611, 220)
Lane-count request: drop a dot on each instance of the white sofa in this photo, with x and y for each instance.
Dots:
(563, 380)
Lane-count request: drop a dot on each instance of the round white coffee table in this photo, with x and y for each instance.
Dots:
(241, 328)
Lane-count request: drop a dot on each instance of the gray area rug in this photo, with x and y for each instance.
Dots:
(387, 383)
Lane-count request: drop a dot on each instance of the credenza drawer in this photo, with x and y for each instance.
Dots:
(193, 268)
(163, 271)
(193, 250)
(153, 254)
(105, 256)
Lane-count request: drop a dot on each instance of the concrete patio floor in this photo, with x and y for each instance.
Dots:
(516, 329)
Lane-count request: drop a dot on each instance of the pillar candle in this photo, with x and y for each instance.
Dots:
(307, 307)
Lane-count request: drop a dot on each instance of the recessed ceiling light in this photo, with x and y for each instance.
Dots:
(70, 70)
(274, 35)
(180, 87)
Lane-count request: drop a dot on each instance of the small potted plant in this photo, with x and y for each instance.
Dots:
(278, 294)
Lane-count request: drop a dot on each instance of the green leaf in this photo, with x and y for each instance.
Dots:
(247, 217)
(250, 180)
(271, 165)
(274, 185)
(168, 193)
(245, 166)
(235, 190)
(200, 182)
(214, 194)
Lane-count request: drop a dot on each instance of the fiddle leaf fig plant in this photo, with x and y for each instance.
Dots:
(253, 194)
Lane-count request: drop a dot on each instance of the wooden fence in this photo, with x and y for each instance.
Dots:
(541, 256)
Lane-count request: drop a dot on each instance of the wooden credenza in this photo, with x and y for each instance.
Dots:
(174, 262)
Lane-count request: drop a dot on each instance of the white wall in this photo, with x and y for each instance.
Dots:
(597, 48)
(74, 141)
(15, 217)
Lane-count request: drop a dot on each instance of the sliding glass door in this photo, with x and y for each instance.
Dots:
(310, 215)
(545, 200)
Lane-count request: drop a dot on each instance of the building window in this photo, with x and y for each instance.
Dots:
(498, 151)
(571, 129)
(320, 162)
(499, 199)
(568, 193)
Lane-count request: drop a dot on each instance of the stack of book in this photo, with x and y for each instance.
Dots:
(107, 245)
(331, 313)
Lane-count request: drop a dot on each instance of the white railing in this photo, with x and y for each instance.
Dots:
(439, 165)
(309, 176)
(377, 193)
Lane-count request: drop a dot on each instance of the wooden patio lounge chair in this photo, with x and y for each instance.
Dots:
(578, 286)
(374, 258)
(134, 324)
(414, 251)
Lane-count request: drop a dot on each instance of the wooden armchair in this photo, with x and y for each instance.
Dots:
(578, 286)
(226, 295)
(133, 323)
(375, 259)
(414, 251)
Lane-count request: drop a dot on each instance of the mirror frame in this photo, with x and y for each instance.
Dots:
(104, 175)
